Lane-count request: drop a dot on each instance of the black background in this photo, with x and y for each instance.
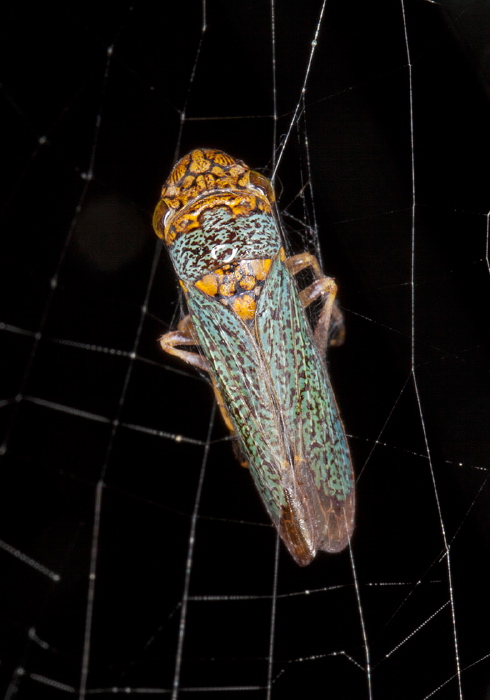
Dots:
(97, 103)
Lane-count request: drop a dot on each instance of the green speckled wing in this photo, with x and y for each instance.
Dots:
(242, 379)
(280, 401)
(320, 457)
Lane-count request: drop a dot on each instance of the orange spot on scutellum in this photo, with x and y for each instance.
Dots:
(208, 284)
(244, 306)
(227, 289)
(261, 268)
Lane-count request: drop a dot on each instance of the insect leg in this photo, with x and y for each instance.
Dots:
(226, 417)
(184, 335)
(330, 326)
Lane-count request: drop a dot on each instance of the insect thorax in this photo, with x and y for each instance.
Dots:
(228, 254)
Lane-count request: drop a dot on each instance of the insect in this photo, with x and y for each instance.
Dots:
(266, 364)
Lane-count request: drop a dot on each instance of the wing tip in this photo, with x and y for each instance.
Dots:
(337, 528)
(339, 524)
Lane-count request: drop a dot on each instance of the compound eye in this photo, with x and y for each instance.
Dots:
(263, 184)
(160, 218)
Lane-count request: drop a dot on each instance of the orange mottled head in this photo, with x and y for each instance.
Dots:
(202, 173)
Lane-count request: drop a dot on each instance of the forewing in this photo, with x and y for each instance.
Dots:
(243, 379)
(323, 476)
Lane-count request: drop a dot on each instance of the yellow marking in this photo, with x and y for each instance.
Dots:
(221, 158)
(201, 183)
(244, 306)
(227, 289)
(236, 170)
(179, 170)
(199, 163)
(230, 280)
(248, 282)
(208, 284)
(183, 286)
(260, 268)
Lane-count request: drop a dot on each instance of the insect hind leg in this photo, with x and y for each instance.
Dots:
(184, 335)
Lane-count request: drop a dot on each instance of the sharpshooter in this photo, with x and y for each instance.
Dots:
(266, 364)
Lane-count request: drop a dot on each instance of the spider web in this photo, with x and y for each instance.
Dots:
(136, 556)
